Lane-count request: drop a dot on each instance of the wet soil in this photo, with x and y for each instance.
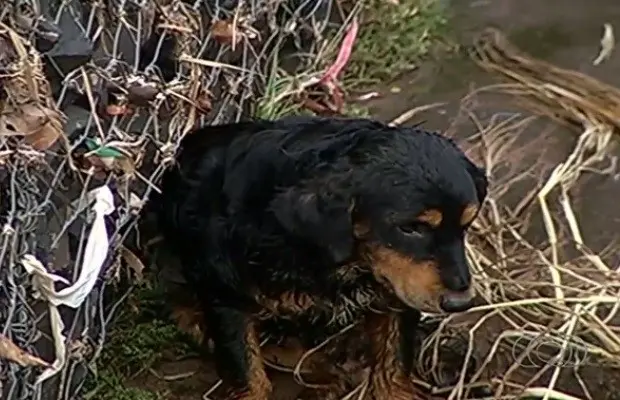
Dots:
(565, 32)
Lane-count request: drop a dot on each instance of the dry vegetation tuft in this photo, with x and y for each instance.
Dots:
(551, 303)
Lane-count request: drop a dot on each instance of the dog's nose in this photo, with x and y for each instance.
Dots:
(453, 302)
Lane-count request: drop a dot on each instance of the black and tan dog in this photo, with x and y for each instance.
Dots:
(301, 226)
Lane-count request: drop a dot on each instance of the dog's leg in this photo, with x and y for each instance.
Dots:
(390, 357)
(334, 390)
(329, 379)
(237, 354)
(329, 382)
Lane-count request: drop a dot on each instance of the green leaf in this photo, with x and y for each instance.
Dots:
(105, 152)
(91, 144)
(102, 151)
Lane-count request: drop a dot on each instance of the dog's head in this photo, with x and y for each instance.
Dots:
(403, 201)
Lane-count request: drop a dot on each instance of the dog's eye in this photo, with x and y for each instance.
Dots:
(413, 228)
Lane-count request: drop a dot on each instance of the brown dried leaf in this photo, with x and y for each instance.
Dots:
(97, 162)
(7, 127)
(117, 110)
(29, 118)
(44, 138)
(203, 101)
(41, 126)
(10, 351)
(99, 165)
(189, 320)
(103, 164)
(223, 31)
(125, 164)
(133, 262)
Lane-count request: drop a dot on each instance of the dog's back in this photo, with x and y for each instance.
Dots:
(219, 192)
(230, 168)
(194, 180)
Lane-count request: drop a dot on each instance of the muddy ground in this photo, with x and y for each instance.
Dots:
(565, 32)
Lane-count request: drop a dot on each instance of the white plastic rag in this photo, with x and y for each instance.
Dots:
(74, 295)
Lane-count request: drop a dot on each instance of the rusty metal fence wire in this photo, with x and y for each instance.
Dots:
(94, 97)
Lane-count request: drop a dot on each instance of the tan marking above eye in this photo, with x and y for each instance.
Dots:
(469, 213)
(432, 217)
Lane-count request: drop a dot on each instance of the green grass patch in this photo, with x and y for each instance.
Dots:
(279, 100)
(393, 39)
(112, 387)
(356, 110)
(137, 341)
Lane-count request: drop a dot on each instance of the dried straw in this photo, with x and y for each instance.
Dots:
(557, 310)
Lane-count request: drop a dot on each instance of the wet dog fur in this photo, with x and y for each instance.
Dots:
(301, 226)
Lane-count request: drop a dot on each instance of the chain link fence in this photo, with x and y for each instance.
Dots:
(94, 97)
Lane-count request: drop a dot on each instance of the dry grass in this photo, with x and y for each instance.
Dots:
(27, 108)
(557, 300)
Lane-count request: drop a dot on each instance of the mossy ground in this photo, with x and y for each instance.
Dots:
(140, 338)
(394, 39)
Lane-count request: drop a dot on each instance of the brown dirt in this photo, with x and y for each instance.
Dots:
(190, 379)
(565, 32)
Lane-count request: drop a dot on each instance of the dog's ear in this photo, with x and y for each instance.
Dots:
(479, 176)
(323, 218)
